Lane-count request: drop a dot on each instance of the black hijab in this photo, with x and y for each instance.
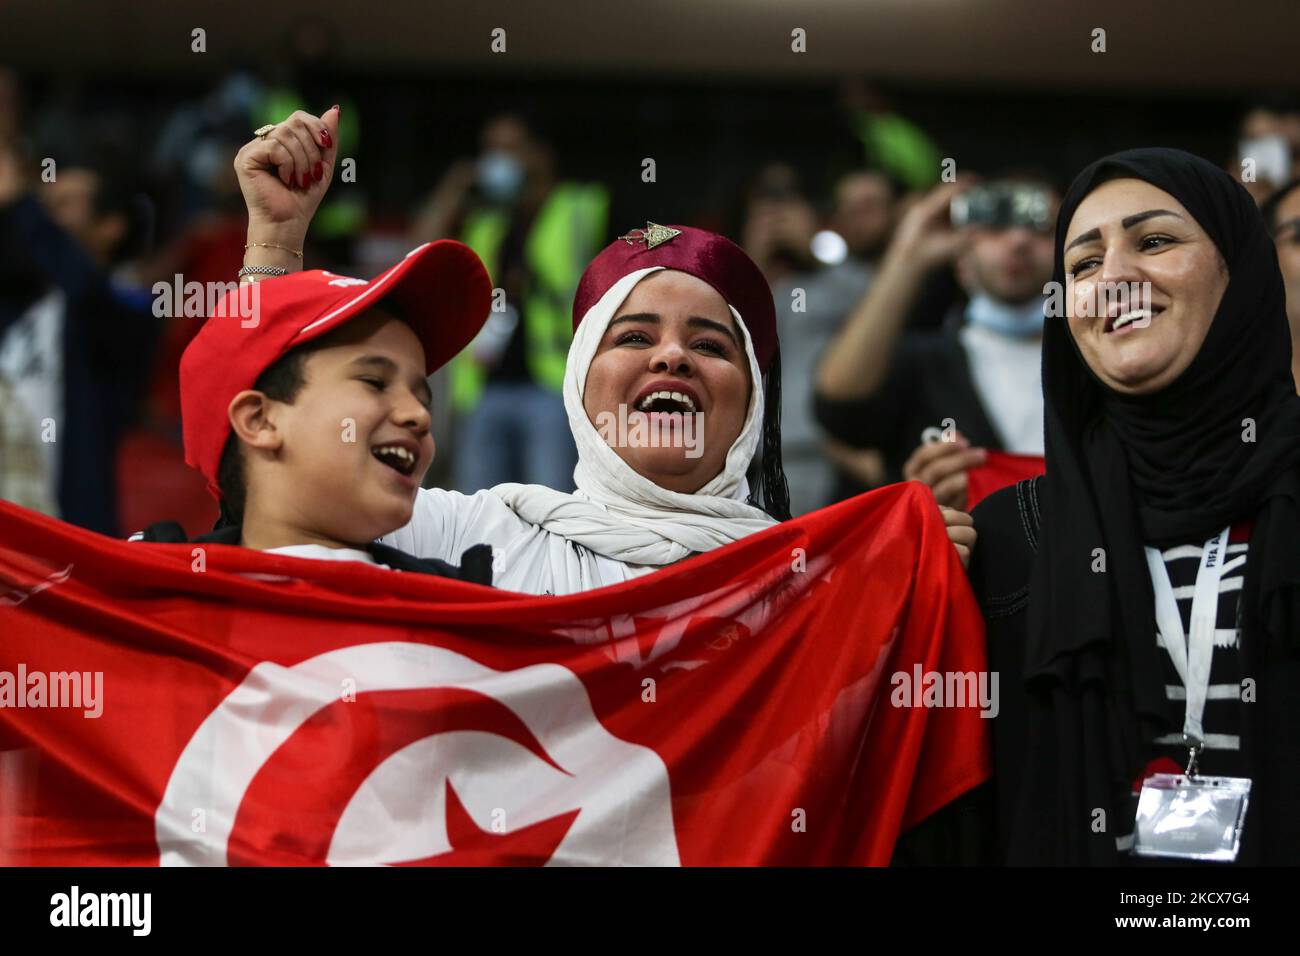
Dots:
(1170, 467)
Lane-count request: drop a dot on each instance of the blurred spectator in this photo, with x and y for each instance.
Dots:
(779, 224)
(980, 376)
(305, 78)
(194, 154)
(193, 148)
(536, 234)
(812, 301)
(10, 106)
(24, 476)
(866, 204)
(74, 345)
(194, 157)
(1282, 213)
(1269, 136)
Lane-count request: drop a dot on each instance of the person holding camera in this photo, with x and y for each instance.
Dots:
(976, 381)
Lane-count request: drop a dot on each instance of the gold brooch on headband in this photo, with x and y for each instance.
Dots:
(652, 235)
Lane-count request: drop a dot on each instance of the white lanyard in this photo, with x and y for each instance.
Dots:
(1191, 655)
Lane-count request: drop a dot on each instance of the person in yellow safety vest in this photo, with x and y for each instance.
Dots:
(535, 234)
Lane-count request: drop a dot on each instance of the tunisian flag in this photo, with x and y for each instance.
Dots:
(236, 707)
(1000, 469)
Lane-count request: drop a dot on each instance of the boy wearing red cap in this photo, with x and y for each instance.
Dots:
(305, 405)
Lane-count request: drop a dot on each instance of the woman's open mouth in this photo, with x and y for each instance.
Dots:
(666, 401)
(667, 409)
(1132, 319)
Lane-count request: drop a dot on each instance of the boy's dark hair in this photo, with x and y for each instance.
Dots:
(281, 382)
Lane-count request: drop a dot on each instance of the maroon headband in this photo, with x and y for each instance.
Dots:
(706, 255)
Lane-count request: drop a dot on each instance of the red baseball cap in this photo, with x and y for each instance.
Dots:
(441, 288)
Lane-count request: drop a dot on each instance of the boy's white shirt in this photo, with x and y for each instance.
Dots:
(321, 553)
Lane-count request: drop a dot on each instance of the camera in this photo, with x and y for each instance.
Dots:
(1003, 205)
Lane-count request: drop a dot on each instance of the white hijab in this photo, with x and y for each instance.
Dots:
(617, 512)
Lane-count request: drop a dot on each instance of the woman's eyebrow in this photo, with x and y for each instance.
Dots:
(1092, 235)
(1128, 222)
(650, 317)
(699, 322)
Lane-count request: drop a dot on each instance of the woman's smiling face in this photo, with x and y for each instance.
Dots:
(672, 366)
(1143, 281)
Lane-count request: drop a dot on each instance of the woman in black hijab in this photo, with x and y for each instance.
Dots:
(1165, 426)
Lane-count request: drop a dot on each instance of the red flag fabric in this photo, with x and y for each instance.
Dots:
(180, 704)
(1000, 470)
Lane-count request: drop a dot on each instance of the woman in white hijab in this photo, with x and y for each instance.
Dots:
(669, 368)
(672, 389)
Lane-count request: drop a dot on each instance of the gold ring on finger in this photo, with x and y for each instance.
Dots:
(261, 132)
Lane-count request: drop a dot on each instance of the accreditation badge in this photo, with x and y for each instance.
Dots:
(1191, 818)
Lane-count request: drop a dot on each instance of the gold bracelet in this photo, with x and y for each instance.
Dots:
(272, 245)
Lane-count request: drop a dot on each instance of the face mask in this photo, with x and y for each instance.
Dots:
(1019, 321)
(500, 175)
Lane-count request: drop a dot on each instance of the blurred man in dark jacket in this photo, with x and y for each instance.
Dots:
(75, 347)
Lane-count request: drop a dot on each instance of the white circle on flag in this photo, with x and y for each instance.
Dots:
(619, 790)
